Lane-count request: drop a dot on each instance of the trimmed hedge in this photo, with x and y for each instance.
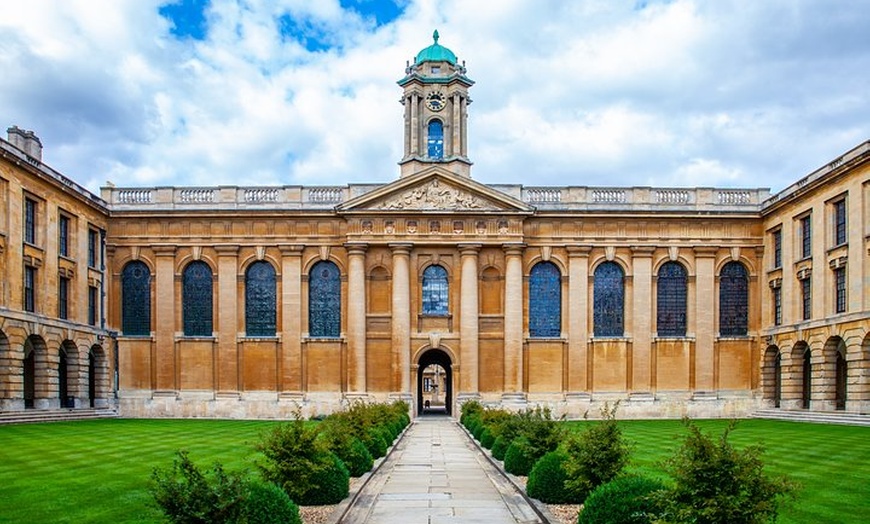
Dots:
(266, 503)
(547, 480)
(329, 483)
(486, 438)
(517, 459)
(624, 500)
(499, 447)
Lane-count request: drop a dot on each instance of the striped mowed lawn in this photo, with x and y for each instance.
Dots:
(98, 471)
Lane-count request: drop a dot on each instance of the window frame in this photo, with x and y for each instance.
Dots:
(430, 294)
(197, 327)
(435, 143)
(777, 306)
(93, 305)
(29, 289)
(840, 222)
(679, 327)
(603, 294)
(729, 299)
(806, 230)
(31, 219)
(130, 327)
(840, 290)
(331, 327)
(63, 235)
(63, 298)
(260, 320)
(807, 297)
(93, 248)
(545, 314)
(776, 235)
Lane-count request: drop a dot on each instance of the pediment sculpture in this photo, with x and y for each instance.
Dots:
(435, 195)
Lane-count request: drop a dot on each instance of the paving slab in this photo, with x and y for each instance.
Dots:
(437, 475)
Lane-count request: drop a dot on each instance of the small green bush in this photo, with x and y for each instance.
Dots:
(339, 438)
(187, 495)
(499, 447)
(329, 483)
(486, 438)
(375, 442)
(519, 459)
(547, 480)
(624, 500)
(266, 503)
(717, 484)
(479, 428)
(470, 409)
(597, 455)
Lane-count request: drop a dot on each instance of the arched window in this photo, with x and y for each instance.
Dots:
(435, 139)
(733, 300)
(671, 300)
(260, 300)
(545, 301)
(436, 290)
(609, 301)
(196, 300)
(136, 300)
(324, 300)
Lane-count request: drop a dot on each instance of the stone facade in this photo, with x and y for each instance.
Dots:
(250, 302)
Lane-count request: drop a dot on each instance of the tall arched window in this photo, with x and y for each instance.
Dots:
(435, 139)
(196, 300)
(733, 300)
(609, 301)
(436, 290)
(671, 300)
(545, 301)
(136, 300)
(324, 300)
(260, 300)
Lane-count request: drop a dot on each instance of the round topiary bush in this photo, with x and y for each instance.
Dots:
(486, 439)
(547, 480)
(624, 500)
(386, 434)
(478, 431)
(517, 459)
(266, 503)
(357, 458)
(329, 482)
(375, 443)
(499, 448)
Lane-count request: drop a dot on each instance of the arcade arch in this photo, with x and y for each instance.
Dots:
(429, 365)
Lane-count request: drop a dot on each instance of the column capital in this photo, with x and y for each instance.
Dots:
(356, 248)
(642, 251)
(578, 251)
(400, 248)
(163, 250)
(705, 251)
(514, 248)
(469, 249)
(291, 250)
(225, 250)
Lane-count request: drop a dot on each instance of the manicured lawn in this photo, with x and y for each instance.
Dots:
(832, 463)
(98, 471)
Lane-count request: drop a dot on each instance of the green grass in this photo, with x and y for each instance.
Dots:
(98, 471)
(831, 463)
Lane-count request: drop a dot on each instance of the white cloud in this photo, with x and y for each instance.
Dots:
(589, 92)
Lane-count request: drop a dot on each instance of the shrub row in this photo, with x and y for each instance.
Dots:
(304, 463)
(712, 482)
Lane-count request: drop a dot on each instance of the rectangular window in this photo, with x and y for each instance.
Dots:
(63, 236)
(29, 288)
(807, 297)
(806, 237)
(30, 221)
(840, 289)
(93, 305)
(777, 306)
(777, 249)
(93, 248)
(63, 298)
(840, 222)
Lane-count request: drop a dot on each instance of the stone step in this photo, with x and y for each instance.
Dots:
(818, 417)
(54, 415)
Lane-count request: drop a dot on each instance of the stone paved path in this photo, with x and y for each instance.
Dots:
(436, 475)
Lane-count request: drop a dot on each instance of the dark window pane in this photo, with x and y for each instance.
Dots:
(260, 300)
(63, 236)
(840, 222)
(545, 301)
(436, 290)
(807, 297)
(609, 300)
(136, 300)
(733, 300)
(197, 300)
(777, 306)
(29, 288)
(29, 221)
(840, 281)
(777, 249)
(93, 305)
(324, 300)
(806, 237)
(92, 248)
(63, 298)
(671, 300)
(435, 139)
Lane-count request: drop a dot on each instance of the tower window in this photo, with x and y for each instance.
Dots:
(435, 139)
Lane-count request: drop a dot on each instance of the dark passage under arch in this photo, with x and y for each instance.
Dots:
(439, 358)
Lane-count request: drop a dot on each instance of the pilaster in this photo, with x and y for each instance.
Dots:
(705, 301)
(513, 319)
(228, 353)
(469, 318)
(578, 315)
(290, 350)
(356, 317)
(401, 336)
(163, 372)
(641, 322)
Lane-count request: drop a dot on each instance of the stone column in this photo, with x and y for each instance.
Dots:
(290, 351)
(415, 124)
(228, 353)
(641, 321)
(578, 320)
(356, 317)
(705, 306)
(469, 319)
(513, 323)
(464, 126)
(456, 123)
(163, 353)
(402, 317)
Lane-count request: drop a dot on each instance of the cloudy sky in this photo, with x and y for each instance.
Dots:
(733, 93)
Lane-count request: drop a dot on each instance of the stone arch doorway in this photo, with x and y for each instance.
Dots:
(29, 371)
(806, 378)
(63, 379)
(92, 379)
(431, 363)
(841, 373)
(772, 376)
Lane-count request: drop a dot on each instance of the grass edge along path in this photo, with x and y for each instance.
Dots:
(98, 471)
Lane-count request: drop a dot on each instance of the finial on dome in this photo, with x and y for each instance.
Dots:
(435, 36)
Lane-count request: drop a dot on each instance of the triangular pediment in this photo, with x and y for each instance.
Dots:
(435, 190)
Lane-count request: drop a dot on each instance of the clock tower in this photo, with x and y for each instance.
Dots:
(436, 112)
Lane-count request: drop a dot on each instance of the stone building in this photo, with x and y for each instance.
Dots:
(250, 301)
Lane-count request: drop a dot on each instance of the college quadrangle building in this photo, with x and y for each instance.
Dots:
(250, 301)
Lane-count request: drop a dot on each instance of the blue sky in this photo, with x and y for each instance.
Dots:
(589, 92)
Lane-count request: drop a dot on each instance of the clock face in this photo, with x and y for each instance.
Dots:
(436, 100)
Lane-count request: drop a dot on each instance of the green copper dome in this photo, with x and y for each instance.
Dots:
(435, 53)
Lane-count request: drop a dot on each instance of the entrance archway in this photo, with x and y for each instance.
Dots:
(63, 379)
(806, 395)
(29, 375)
(841, 375)
(92, 379)
(440, 375)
